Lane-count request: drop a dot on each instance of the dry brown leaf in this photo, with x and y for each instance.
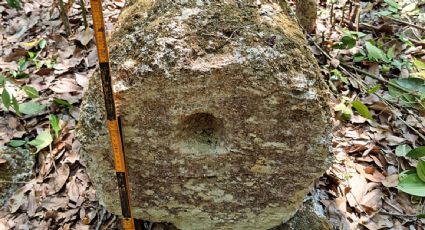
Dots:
(68, 215)
(65, 85)
(375, 175)
(73, 191)
(82, 80)
(358, 185)
(372, 200)
(394, 140)
(58, 181)
(54, 202)
(357, 119)
(15, 55)
(85, 36)
(356, 148)
(390, 181)
(19, 198)
(406, 203)
(32, 204)
(369, 169)
(67, 51)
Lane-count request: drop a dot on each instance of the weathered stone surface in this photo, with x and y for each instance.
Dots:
(306, 218)
(224, 114)
(15, 171)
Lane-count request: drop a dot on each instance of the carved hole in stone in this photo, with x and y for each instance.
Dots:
(201, 133)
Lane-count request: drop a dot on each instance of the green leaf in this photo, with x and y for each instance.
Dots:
(374, 53)
(22, 65)
(412, 83)
(359, 58)
(392, 3)
(406, 173)
(412, 185)
(42, 43)
(15, 106)
(5, 97)
(391, 52)
(30, 91)
(32, 54)
(374, 89)
(417, 152)
(419, 64)
(62, 102)
(17, 143)
(410, 7)
(420, 216)
(338, 75)
(31, 108)
(42, 140)
(54, 121)
(347, 42)
(345, 110)
(362, 109)
(402, 150)
(384, 13)
(14, 4)
(420, 169)
(2, 80)
(21, 75)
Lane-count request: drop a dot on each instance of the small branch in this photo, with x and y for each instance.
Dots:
(406, 23)
(396, 214)
(379, 79)
(331, 18)
(64, 18)
(355, 12)
(84, 12)
(13, 182)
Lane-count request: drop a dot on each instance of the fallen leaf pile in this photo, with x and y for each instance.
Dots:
(60, 195)
(363, 48)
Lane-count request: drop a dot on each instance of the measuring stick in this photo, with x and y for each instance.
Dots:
(113, 121)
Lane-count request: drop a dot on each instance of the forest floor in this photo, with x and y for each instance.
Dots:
(372, 56)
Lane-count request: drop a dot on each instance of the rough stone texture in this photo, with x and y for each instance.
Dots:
(224, 113)
(306, 218)
(15, 171)
(307, 14)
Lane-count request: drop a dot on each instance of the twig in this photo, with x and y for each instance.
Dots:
(350, 9)
(379, 79)
(84, 12)
(396, 214)
(331, 18)
(13, 182)
(406, 23)
(401, 119)
(359, 11)
(64, 18)
(393, 206)
(356, 9)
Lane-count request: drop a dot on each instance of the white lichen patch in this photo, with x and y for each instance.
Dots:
(276, 145)
(119, 86)
(210, 61)
(187, 12)
(302, 83)
(263, 53)
(129, 64)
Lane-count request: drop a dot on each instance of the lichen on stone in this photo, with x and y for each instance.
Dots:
(225, 116)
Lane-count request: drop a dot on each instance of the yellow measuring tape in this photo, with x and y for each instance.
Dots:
(113, 121)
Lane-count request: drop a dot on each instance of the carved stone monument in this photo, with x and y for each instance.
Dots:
(224, 113)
